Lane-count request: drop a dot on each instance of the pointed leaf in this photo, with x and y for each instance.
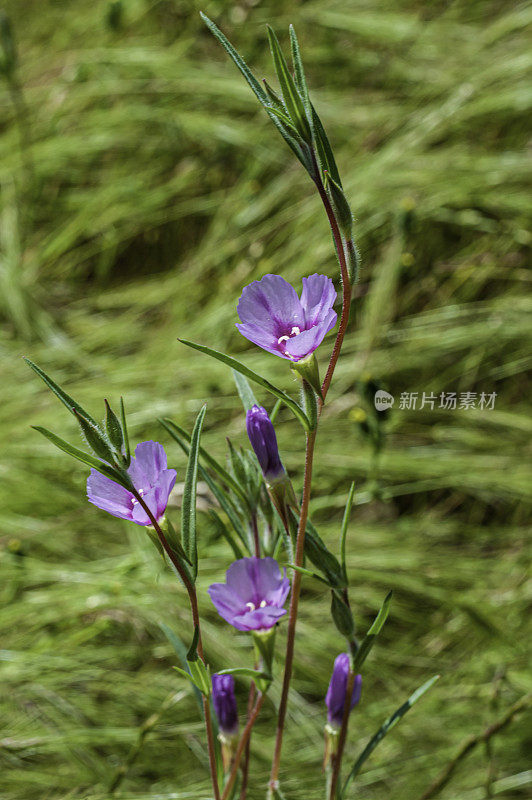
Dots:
(292, 100)
(369, 639)
(253, 376)
(325, 153)
(237, 58)
(308, 573)
(345, 525)
(384, 729)
(80, 455)
(113, 428)
(181, 652)
(299, 72)
(244, 390)
(188, 508)
(95, 438)
(322, 558)
(245, 671)
(124, 431)
(68, 401)
(192, 654)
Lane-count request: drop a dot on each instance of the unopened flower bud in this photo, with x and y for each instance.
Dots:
(335, 697)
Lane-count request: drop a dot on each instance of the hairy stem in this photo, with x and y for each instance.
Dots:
(191, 591)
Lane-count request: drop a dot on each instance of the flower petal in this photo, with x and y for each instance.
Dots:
(272, 304)
(260, 619)
(165, 484)
(265, 340)
(240, 578)
(109, 495)
(317, 298)
(148, 463)
(226, 602)
(306, 342)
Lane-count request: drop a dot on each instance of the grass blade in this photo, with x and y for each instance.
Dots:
(369, 639)
(188, 508)
(384, 729)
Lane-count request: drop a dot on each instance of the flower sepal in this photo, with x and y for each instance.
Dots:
(264, 645)
(283, 497)
(307, 368)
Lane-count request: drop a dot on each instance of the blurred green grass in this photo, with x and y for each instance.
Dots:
(153, 190)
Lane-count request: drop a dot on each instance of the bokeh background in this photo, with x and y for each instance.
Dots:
(141, 188)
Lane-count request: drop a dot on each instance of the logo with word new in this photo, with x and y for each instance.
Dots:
(383, 400)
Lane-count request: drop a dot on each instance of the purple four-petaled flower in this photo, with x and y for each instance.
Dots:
(253, 595)
(224, 702)
(275, 318)
(335, 697)
(151, 478)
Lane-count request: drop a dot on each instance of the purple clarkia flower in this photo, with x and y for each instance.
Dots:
(275, 318)
(264, 442)
(224, 701)
(151, 478)
(335, 697)
(252, 597)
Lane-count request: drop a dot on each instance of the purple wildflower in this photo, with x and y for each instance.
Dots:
(273, 316)
(224, 701)
(253, 595)
(151, 478)
(335, 697)
(264, 442)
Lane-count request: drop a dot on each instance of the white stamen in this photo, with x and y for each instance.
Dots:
(251, 606)
(134, 500)
(282, 339)
(295, 331)
(263, 604)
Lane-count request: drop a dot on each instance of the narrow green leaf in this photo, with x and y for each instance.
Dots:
(113, 428)
(308, 573)
(253, 376)
(188, 676)
(342, 614)
(275, 410)
(273, 97)
(245, 671)
(68, 401)
(124, 431)
(292, 100)
(244, 390)
(299, 72)
(80, 455)
(237, 58)
(188, 507)
(345, 525)
(369, 639)
(325, 153)
(95, 438)
(181, 652)
(172, 428)
(192, 654)
(297, 145)
(322, 558)
(384, 729)
(344, 215)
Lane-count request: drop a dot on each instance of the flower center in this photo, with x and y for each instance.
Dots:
(253, 607)
(134, 500)
(294, 332)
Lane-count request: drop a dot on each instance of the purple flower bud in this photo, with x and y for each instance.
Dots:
(252, 597)
(151, 478)
(276, 319)
(335, 697)
(224, 701)
(264, 442)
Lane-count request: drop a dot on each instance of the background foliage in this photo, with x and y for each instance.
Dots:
(141, 188)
